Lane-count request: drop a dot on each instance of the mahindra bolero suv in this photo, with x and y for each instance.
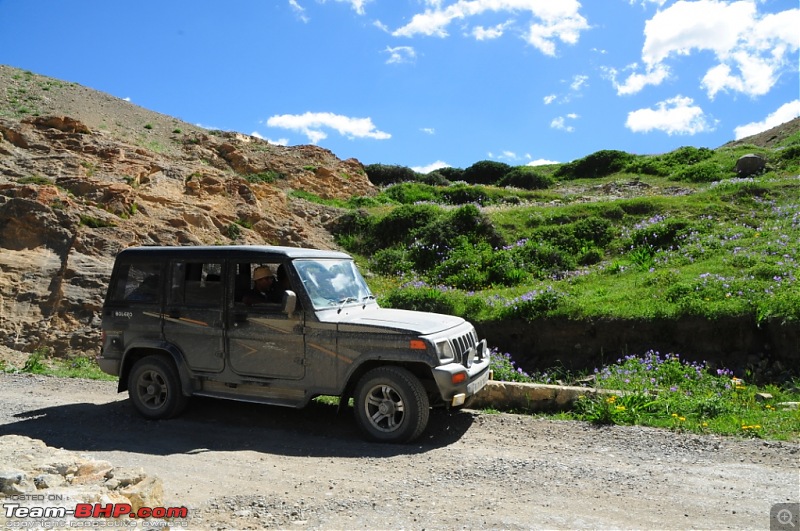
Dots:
(178, 322)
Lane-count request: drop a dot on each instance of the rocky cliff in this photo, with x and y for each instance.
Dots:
(84, 175)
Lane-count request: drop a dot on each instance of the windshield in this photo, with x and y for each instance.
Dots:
(332, 282)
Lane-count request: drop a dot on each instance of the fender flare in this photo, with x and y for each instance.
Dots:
(132, 355)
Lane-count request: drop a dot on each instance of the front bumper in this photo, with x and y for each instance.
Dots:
(457, 382)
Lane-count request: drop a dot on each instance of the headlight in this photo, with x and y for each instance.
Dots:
(445, 351)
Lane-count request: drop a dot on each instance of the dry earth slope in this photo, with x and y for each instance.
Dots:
(84, 175)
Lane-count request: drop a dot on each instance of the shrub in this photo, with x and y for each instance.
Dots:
(590, 256)
(702, 172)
(264, 177)
(94, 222)
(391, 261)
(486, 172)
(504, 368)
(502, 270)
(403, 224)
(532, 305)
(526, 177)
(451, 174)
(470, 221)
(420, 298)
(543, 260)
(464, 267)
(34, 179)
(662, 234)
(410, 193)
(597, 164)
(560, 236)
(599, 231)
(686, 155)
(462, 194)
(648, 165)
(356, 227)
(435, 178)
(382, 174)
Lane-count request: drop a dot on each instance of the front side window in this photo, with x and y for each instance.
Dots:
(332, 282)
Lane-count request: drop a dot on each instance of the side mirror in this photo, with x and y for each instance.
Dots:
(289, 302)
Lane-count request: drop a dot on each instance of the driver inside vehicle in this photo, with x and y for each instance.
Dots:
(265, 288)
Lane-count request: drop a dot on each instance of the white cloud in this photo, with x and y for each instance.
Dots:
(279, 142)
(484, 34)
(751, 50)
(357, 5)
(505, 155)
(551, 21)
(576, 85)
(541, 162)
(578, 82)
(560, 123)
(635, 82)
(400, 54)
(428, 130)
(675, 116)
(785, 113)
(433, 166)
(299, 10)
(312, 124)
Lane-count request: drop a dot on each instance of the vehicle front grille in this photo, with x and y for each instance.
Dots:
(462, 346)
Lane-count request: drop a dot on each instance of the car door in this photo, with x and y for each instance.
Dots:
(133, 307)
(263, 341)
(193, 317)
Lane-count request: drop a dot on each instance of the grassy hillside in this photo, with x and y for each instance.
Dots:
(610, 235)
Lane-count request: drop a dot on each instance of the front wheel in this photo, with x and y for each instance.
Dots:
(154, 388)
(391, 405)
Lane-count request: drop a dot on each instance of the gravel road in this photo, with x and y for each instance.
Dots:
(246, 466)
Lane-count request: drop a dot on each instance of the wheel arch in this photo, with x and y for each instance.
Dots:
(422, 371)
(167, 352)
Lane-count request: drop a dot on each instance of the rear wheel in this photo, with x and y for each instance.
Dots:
(391, 405)
(154, 388)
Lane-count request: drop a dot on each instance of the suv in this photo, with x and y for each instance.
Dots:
(182, 321)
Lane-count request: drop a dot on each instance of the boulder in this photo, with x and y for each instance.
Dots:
(750, 164)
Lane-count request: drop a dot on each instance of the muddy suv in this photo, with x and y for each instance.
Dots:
(184, 321)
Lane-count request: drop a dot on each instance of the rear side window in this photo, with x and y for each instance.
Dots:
(137, 283)
(197, 284)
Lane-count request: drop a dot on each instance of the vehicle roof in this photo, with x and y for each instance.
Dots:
(228, 251)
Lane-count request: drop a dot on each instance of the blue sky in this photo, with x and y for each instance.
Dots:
(431, 83)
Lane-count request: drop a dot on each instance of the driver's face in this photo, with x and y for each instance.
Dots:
(264, 282)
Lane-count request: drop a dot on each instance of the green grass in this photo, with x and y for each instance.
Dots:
(666, 392)
(42, 362)
(728, 249)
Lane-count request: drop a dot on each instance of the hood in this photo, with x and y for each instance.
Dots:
(422, 323)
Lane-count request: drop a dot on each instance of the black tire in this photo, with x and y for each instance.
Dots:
(155, 389)
(391, 405)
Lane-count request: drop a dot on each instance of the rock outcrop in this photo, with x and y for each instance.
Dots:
(34, 475)
(71, 197)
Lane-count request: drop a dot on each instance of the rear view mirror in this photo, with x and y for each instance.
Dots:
(289, 302)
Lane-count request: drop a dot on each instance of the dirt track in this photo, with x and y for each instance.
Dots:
(246, 466)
